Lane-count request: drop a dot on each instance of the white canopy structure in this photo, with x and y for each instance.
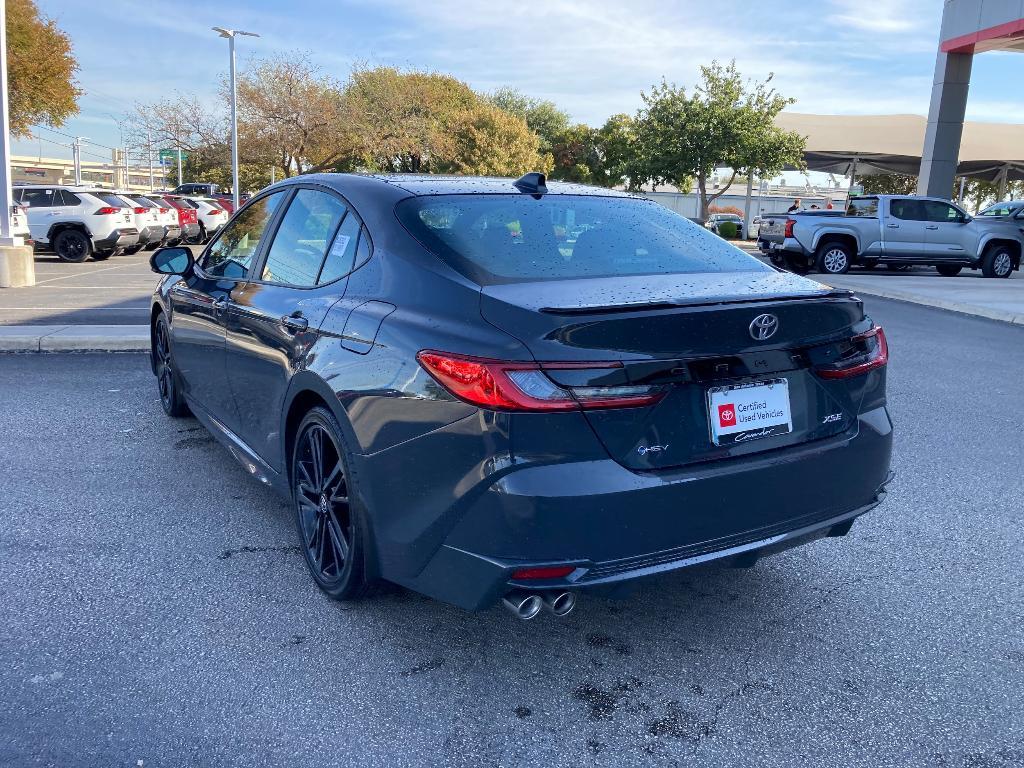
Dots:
(868, 144)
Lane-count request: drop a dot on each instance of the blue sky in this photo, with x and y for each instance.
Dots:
(591, 57)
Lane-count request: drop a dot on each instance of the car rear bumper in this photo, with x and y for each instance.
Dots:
(613, 525)
(171, 232)
(190, 230)
(153, 234)
(119, 238)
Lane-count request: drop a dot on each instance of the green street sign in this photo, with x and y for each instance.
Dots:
(170, 156)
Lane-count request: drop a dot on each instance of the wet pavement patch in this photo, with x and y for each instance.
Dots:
(289, 550)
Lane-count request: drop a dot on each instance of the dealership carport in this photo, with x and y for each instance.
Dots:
(870, 144)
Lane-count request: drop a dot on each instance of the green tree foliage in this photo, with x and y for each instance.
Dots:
(888, 184)
(725, 122)
(542, 116)
(40, 69)
(415, 122)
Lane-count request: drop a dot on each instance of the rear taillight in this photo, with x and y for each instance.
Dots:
(107, 210)
(165, 210)
(865, 352)
(512, 386)
(789, 227)
(141, 209)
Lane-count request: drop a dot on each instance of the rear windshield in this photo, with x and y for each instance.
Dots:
(144, 201)
(110, 199)
(495, 239)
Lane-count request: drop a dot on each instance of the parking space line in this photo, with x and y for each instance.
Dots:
(80, 274)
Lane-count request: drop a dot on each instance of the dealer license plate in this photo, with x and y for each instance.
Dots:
(744, 412)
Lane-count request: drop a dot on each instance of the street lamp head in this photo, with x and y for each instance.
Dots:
(229, 33)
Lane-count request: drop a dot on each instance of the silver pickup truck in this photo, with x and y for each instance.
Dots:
(895, 230)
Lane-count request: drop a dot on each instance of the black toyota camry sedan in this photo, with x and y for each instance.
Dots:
(508, 390)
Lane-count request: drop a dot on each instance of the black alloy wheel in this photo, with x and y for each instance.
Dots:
(326, 515)
(167, 380)
(72, 246)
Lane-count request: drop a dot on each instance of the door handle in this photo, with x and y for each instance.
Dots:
(931, 226)
(220, 304)
(893, 226)
(295, 322)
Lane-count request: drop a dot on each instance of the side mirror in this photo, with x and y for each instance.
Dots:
(172, 261)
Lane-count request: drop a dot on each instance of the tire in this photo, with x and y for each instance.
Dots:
(948, 270)
(72, 246)
(833, 258)
(151, 246)
(133, 249)
(102, 255)
(166, 376)
(329, 515)
(997, 261)
(869, 263)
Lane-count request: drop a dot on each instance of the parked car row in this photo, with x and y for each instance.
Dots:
(898, 231)
(79, 222)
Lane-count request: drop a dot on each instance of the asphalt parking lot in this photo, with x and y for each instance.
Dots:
(157, 612)
(115, 291)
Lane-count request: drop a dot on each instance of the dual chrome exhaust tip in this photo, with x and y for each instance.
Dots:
(525, 605)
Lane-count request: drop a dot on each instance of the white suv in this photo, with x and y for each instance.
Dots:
(212, 217)
(147, 221)
(77, 222)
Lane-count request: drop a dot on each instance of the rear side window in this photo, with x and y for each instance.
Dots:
(341, 258)
(866, 207)
(906, 210)
(307, 228)
(519, 238)
(68, 198)
(38, 198)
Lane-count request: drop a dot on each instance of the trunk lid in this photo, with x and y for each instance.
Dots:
(691, 334)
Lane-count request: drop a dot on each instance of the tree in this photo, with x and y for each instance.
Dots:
(724, 123)
(290, 115)
(491, 142)
(889, 184)
(417, 122)
(616, 142)
(40, 69)
(543, 117)
(575, 155)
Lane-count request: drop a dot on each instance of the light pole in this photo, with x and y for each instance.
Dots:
(6, 196)
(230, 35)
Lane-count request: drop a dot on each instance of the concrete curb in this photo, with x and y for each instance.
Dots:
(74, 338)
(1000, 315)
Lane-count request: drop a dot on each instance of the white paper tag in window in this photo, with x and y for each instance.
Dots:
(340, 245)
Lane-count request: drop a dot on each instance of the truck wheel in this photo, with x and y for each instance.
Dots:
(948, 270)
(997, 262)
(72, 245)
(833, 258)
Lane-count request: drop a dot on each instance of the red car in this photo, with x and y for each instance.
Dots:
(188, 218)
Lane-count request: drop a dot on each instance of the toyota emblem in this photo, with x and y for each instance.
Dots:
(763, 327)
